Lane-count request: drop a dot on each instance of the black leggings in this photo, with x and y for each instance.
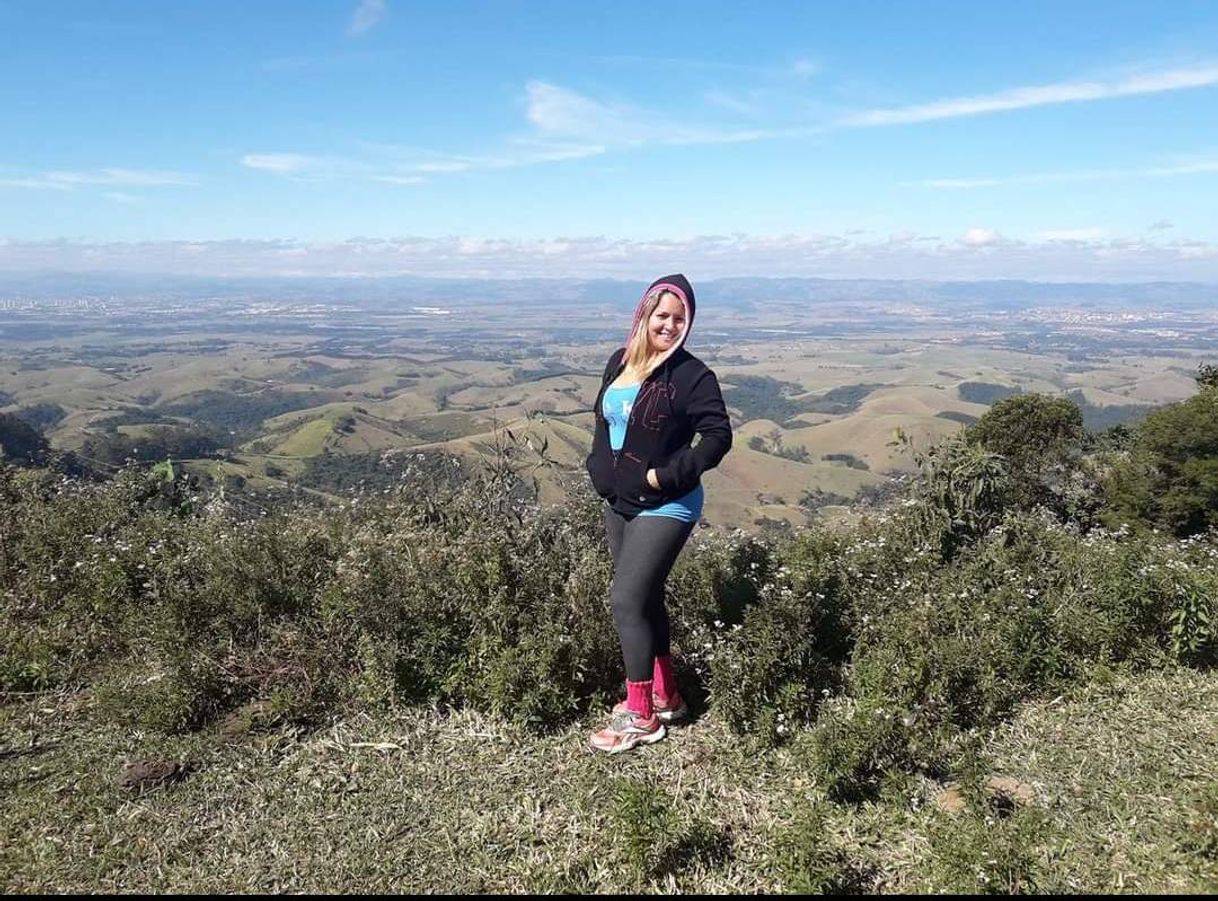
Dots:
(644, 549)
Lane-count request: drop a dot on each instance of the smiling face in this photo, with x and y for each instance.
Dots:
(666, 324)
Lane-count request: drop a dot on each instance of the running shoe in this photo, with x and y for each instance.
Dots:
(627, 730)
(671, 711)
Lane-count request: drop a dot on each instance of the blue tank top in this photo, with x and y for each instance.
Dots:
(616, 406)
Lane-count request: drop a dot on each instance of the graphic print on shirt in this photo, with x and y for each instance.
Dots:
(654, 404)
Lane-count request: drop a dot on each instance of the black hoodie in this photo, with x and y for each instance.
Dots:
(680, 399)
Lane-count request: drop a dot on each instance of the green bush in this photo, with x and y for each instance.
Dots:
(879, 644)
(1032, 607)
(986, 854)
(1169, 479)
(21, 442)
(768, 670)
(1039, 438)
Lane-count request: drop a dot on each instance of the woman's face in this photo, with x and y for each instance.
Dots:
(666, 323)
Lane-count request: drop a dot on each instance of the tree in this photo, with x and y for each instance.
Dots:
(1039, 437)
(21, 442)
(1170, 478)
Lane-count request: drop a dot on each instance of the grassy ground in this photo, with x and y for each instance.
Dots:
(424, 801)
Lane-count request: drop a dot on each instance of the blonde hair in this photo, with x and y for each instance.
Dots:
(640, 358)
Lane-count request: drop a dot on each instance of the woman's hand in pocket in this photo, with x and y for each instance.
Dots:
(653, 479)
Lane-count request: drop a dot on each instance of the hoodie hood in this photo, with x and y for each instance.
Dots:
(679, 285)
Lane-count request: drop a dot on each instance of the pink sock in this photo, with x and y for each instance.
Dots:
(665, 678)
(638, 698)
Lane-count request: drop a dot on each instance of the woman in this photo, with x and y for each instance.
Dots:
(655, 397)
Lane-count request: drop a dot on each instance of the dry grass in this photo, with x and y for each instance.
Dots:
(424, 801)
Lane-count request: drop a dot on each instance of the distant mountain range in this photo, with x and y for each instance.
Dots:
(958, 296)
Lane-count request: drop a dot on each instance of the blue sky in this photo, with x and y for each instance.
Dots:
(920, 139)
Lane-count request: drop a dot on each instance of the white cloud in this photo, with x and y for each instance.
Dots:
(366, 16)
(528, 151)
(446, 166)
(129, 177)
(980, 254)
(804, 69)
(559, 112)
(61, 180)
(1195, 166)
(960, 182)
(731, 103)
(1040, 95)
(400, 179)
(566, 125)
(411, 166)
(284, 163)
(33, 183)
(555, 110)
(1093, 233)
(979, 237)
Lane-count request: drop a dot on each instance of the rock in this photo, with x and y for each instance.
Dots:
(142, 775)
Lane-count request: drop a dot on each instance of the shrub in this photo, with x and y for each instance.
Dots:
(21, 442)
(985, 392)
(769, 669)
(849, 459)
(979, 853)
(885, 641)
(1170, 477)
(940, 649)
(42, 416)
(960, 493)
(1038, 436)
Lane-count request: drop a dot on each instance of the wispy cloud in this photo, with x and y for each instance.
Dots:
(560, 112)
(400, 179)
(283, 163)
(804, 69)
(554, 110)
(366, 17)
(33, 183)
(565, 124)
(408, 166)
(1093, 233)
(1039, 95)
(61, 180)
(312, 168)
(1195, 166)
(731, 102)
